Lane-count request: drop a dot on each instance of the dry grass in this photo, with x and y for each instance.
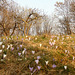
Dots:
(60, 52)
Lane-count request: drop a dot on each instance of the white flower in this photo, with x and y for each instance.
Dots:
(70, 37)
(62, 42)
(67, 37)
(11, 45)
(62, 38)
(56, 47)
(8, 46)
(26, 39)
(26, 36)
(51, 39)
(53, 43)
(57, 38)
(50, 43)
(54, 40)
(46, 62)
(37, 61)
(73, 57)
(3, 39)
(3, 46)
(20, 59)
(40, 45)
(1, 43)
(4, 55)
(0, 51)
(29, 38)
(38, 57)
(23, 51)
(65, 67)
(6, 38)
(25, 58)
(66, 51)
(33, 52)
(1, 59)
(35, 38)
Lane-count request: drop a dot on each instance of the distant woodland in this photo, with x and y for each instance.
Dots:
(17, 20)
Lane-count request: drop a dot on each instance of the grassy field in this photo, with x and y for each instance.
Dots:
(37, 55)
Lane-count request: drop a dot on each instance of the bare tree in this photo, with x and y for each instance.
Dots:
(18, 19)
(7, 21)
(63, 9)
(30, 18)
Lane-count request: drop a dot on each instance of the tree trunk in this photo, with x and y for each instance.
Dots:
(68, 30)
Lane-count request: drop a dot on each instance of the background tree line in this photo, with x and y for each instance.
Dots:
(17, 20)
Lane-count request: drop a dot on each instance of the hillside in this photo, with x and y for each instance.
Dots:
(37, 55)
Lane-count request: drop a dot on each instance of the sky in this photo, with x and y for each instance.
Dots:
(44, 5)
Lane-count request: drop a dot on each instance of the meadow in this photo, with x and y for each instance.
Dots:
(37, 55)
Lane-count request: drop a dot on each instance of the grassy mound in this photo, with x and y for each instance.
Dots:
(37, 55)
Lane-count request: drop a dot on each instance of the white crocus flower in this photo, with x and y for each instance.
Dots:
(26, 36)
(56, 47)
(40, 45)
(1, 59)
(57, 38)
(54, 40)
(8, 46)
(70, 37)
(46, 62)
(26, 39)
(3, 46)
(51, 39)
(29, 38)
(1, 43)
(0, 51)
(23, 51)
(53, 43)
(67, 37)
(62, 39)
(33, 52)
(50, 43)
(35, 38)
(66, 51)
(25, 58)
(73, 57)
(3, 39)
(11, 45)
(20, 59)
(65, 67)
(4, 55)
(62, 42)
